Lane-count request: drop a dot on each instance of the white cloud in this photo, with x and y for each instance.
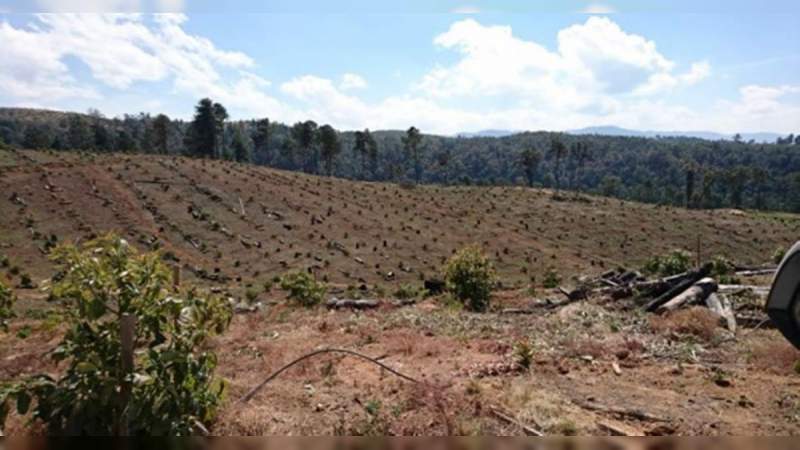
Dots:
(597, 74)
(598, 8)
(352, 81)
(595, 63)
(30, 68)
(120, 50)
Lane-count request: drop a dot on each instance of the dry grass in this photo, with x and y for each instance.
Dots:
(776, 356)
(696, 321)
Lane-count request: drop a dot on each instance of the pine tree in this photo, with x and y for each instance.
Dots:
(411, 145)
(330, 146)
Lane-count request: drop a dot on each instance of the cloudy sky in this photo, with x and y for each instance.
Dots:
(443, 66)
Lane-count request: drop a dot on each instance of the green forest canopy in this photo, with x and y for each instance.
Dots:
(668, 170)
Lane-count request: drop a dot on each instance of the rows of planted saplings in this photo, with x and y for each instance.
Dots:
(134, 354)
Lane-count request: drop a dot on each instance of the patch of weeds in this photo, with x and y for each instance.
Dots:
(251, 295)
(379, 291)
(551, 279)
(672, 263)
(375, 424)
(723, 271)
(523, 354)
(409, 291)
(565, 427)
(24, 332)
(352, 292)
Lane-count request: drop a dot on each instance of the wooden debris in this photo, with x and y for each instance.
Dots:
(616, 428)
(720, 305)
(632, 413)
(686, 282)
(727, 312)
(757, 272)
(697, 293)
(336, 303)
(527, 429)
(742, 288)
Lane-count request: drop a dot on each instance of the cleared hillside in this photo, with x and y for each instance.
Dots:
(348, 232)
(597, 366)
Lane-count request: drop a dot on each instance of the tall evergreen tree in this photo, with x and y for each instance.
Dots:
(372, 154)
(411, 144)
(360, 149)
(304, 136)
(557, 152)
(261, 136)
(241, 148)
(530, 159)
(160, 133)
(220, 116)
(580, 156)
(690, 183)
(201, 139)
(330, 146)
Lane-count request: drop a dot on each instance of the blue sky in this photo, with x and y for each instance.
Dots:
(444, 66)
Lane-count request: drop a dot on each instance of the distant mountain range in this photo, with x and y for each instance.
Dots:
(618, 131)
(709, 135)
(487, 133)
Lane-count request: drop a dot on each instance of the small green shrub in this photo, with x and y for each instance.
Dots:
(470, 277)
(551, 279)
(170, 390)
(25, 282)
(723, 270)
(4, 262)
(303, 288)
(672, 263)
(523, 354)
(251, 294)
(6, 303)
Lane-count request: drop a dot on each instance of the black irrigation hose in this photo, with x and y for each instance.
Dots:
(275, 374)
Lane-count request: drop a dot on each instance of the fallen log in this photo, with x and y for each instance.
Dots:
(654, 288)
(697, 293)
(740, 288)
(714, 304)
(727, 312)
(616, 428)
(753, 273)
(687, 280)
(633, 413)
(335, 303)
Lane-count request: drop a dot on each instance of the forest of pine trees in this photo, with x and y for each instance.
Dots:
(679, 171)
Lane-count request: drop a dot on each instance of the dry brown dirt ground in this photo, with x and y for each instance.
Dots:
(597, 365)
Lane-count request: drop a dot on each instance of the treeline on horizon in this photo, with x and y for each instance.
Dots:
(678, 171)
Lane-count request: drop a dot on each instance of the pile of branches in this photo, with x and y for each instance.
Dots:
(662, 295)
